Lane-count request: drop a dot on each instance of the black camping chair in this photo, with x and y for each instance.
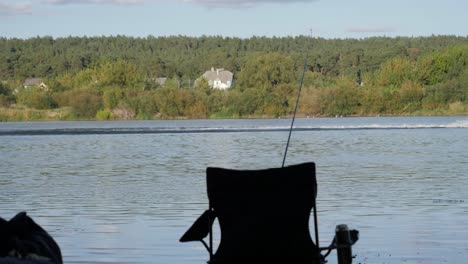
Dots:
(264, 217)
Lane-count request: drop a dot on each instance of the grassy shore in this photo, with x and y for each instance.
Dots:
(25, 114)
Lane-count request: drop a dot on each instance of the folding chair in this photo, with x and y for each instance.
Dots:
(264, 217)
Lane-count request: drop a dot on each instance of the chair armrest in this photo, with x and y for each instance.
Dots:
(200, 228)
(353, 238)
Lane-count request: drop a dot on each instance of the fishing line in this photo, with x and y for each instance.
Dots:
(297, 103)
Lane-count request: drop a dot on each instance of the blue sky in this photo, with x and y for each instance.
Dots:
(233, 18)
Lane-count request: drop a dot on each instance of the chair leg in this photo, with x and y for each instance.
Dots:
(210, 216)
(317, 240)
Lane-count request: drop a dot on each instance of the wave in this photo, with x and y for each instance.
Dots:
(178, 130)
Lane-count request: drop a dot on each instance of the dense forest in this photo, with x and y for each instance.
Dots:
(109, 78)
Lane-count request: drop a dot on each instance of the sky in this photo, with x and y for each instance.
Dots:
(233, 18)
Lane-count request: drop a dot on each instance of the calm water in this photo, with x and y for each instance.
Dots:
(124, 192)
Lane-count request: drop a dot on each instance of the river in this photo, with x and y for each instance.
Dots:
(124, 192)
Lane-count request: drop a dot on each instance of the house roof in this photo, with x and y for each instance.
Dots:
(32, 81)
(218, 74)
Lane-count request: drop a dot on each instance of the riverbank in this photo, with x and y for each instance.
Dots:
(25, 114)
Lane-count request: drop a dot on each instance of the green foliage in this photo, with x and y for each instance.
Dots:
(186, 57)
(443, 65)
(4, 102)
(142, 103)
(35, 98)
(394, 72)
(457, 108)
(173, 83)
(309, 103)
(84, 103)
(216, 101)
(119, 73)
(266, 71)
(4, 89)
(85, 78)
(103, 115)
(340, 100)
(198, 110)
(280, 101)
(112, 97)
(374, 101)
(463, 79)
(113, 77)
(169, 104)
(442, 94)
(410, 96)
(66, 81)
(6, 98)
(316, 79)
(202, 84)
(150, 84)
(249, 102)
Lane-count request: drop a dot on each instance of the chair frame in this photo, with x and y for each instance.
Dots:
(343, 240)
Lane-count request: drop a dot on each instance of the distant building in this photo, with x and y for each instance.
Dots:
(161, 81)
(219, 78)
(34, 82)
(155, 82)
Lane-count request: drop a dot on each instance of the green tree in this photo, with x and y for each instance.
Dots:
(144, 104)
(120, 69)
(411, 95)
(85, 103)
(464, 85)
(394, 72)
(112, 97)
(119, 73)
(202, 84)
(340, 101)
(249, 102)
(441, 66)
(5, 95)
(266, 71)
(198, 110)
(373, 100)
(279, 101)
(310, 103)
(35, 98)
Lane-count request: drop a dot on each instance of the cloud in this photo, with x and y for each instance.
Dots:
(13, 9)
(23, 8)
(241, 3)
(370, 30)
(109, 2)
(206, 3)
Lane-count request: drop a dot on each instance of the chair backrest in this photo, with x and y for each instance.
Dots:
(264, 214)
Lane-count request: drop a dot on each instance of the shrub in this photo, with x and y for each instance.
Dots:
(198, 110)
(103, 115)
(4, 101)
(84, 103)
(457, 108)
(35, 98)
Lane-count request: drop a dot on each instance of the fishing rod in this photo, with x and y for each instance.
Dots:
(306, 61)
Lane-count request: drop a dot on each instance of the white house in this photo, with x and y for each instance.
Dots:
(219, 78)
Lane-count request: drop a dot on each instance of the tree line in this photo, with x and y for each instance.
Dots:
(114, 77)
